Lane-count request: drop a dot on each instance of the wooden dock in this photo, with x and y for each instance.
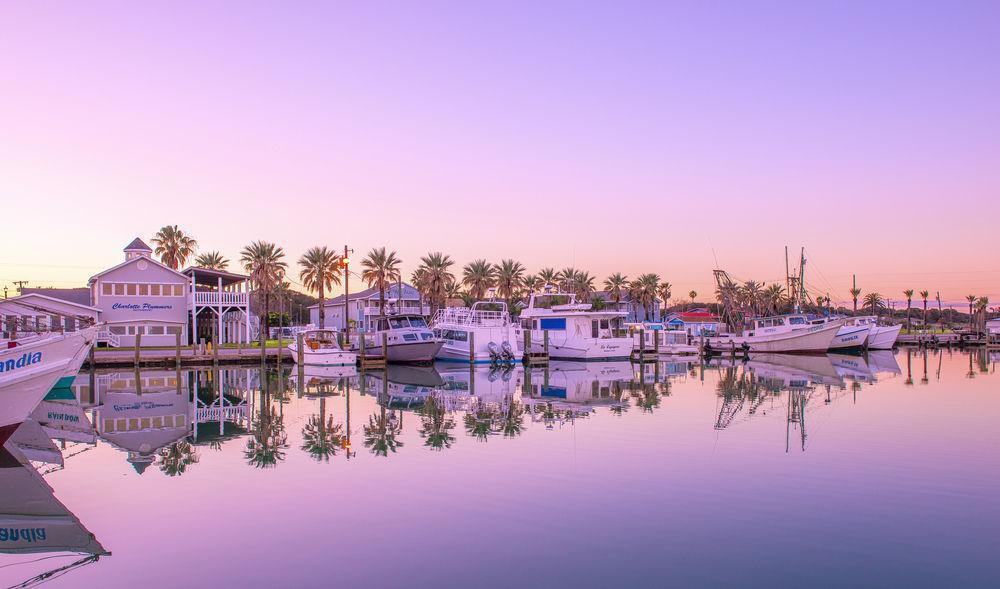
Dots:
(535, 358)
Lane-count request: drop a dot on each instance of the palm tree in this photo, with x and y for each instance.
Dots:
(692, 295)
(982, 305)
(855, 293)
(924, 294)
(320, 271)
(751, 294)
(908, 293)
(567, 279)
(583, 285)
(436, 277)
(264, 262)
(452, 290)
(532, 282)
(510, 276)
(665, 293)
(774, 298)
(972, 301)
(381, 268)
(643, 290)
(173, 246)
(548, 276)
(479, 276)
(212, 261)
(175, 458)
(874, 301)
(616, 284)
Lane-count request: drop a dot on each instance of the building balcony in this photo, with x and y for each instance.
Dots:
(215, 298)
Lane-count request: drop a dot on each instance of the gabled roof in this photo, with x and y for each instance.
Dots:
(77, 296)
(133, 261)
(190, 270)
(368, 293)
(26, 297)
(136, 245)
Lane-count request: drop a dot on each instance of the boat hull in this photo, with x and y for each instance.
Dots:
(458, 351)
(812, 340)
(586, 349)
(850, 336)
(883, 337)
(413, 352)
(323, 357)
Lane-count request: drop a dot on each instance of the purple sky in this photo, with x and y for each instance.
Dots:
(622, 137)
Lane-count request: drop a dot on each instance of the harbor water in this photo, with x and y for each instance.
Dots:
(878, 470)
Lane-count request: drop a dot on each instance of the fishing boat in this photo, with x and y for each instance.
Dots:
(408, 339)
(483, 333)
(650, 336)
(29, 371)
(880, 337)
(848, 337)
(782, 334)
(321, 348)
(575, 330)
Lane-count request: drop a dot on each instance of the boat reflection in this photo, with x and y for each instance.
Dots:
(33, 521)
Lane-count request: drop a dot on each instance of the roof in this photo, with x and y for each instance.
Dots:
(409, 293)
(695, 317)
(77, 296)
(190, 270)
(133, 261)
(138, 244)
(45, 297)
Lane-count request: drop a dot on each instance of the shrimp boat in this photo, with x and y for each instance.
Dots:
(483, 333)
(576, 331)
(321, 348)
(780, 334)
(29, 371)
(880, 337)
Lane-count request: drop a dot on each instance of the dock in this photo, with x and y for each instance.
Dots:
(535, 358)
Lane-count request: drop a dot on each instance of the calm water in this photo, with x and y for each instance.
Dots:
(817, 471)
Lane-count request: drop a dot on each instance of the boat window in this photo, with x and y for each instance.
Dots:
(410, 337)
(595, 329)
(398, 322)
(383, 325)
(778, 322)
(417, 322)
(459, 336)
(605, 324)
(796, 321)
(558, 324)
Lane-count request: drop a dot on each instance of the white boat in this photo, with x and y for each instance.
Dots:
(848, 337)
(29, 371)
(880, 337)
(650, 336)
(853, 367)
(575, 383)
(575, 330)
(483, 333)
(408, 339)
(321, 348)
(780, 334)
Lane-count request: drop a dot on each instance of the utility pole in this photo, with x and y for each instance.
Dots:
(20, 285)
(347, 295)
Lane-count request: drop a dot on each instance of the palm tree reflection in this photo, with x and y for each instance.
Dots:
(382, 429)
(436, 424)
(174, 459)
(266, 446)
(321, 438)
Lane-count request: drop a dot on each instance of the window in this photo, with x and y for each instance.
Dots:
(106, 288)
(418, 322)
(595, 331)
(130, 290)
(154, 290)
(119, 289)
(143, 290)
(796, 321)
(178, 290)
(398, 322)
(173, 329)
(117, 329)
(410, 337)
(155, 330)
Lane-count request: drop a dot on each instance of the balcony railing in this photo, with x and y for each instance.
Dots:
(220, 298)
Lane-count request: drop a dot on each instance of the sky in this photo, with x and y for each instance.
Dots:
(614, 137)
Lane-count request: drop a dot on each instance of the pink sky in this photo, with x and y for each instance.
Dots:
(630, 138)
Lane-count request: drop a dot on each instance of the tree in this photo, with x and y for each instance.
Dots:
(381, 268)
(435, 424)
(436, 276)
(924, 294)
(479, 276)
(567, 279)
(908, 293)
(510, 274)
(855, 293)
(972, 301)
(774, 298)
(264, 262)
(643, 290)
(583, 285)
(692, 295)
(173, 246)
(548, 276)
(532, 282)
(320, 436)
(874, 301)
(665, 292)
(175, 458)
(616, 285)
(320, 271)
(212, 261)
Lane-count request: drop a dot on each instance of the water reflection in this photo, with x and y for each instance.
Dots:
(186, 423)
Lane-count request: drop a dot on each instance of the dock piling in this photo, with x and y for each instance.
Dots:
(138, 343)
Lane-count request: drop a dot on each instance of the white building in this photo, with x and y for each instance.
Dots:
(364, 306)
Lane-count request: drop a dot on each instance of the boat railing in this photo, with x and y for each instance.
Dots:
(466, 316)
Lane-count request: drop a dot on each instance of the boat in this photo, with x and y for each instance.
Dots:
(579, 384)
(880, 337)
(403, 386)
(782, 334)
(653, 336)
(321, 348)
(575, 330)
(483, 333)
(852, 366)
(408, 339)
(29, 371)
(848, 337)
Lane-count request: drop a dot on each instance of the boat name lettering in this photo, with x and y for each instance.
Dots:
(22, 534)
(26, 359)
(53, 416)
(139, 405)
